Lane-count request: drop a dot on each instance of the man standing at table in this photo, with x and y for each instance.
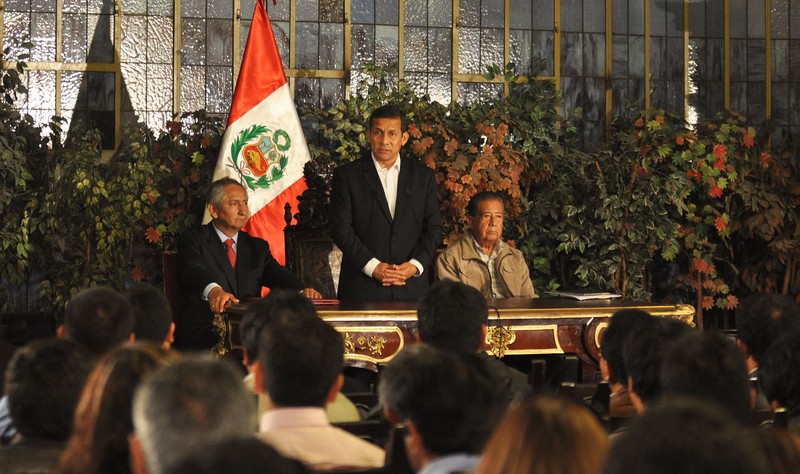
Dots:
(481, 259)
(220, 264)
(385, 217)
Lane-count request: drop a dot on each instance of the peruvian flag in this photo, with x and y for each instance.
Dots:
(264, 147)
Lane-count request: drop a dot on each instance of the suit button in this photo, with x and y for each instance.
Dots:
(394, 237)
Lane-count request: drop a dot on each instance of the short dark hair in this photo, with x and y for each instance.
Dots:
(300, 359)
(216, 191)
(388, 111)
(779, 371)
(240, 455)
(476, 200)
(451, 316)
(43, 381)
(450, 397)
(644, 350)
(762, 317)
(152, 315)
(612, 344)
(709, 366)
(685, 436)
(278, 305)
(99, 319)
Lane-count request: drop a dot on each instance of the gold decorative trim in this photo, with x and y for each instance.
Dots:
(499, 338)
(221, 328)
(372, 339)
(597, 332)
(516, 331)
(683, 312)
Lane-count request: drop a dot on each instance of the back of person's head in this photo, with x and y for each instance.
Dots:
(103, 419)
(388, 111)
(192, 401)
(612, 344)
(43, 382)
(763, 317)
(450, 397)
(451, 316)
(685, 436)
(237, 455)
(546, 435)
(152, 316)
(781, 448)
(300, 359)
(643, 352)
(99, 319)
(707, 365)
(473, 206)
(278, 305)
(779, 371)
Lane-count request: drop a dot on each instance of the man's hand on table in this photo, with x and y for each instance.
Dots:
(312, 293)
(219, 299)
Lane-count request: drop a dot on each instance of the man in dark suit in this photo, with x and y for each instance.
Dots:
(385, 217)
(221, 264)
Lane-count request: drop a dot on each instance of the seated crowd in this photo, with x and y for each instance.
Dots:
(109, 395)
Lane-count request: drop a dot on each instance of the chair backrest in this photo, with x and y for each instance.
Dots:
(312, 256)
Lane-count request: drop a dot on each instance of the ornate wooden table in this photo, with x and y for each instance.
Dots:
(375, 332)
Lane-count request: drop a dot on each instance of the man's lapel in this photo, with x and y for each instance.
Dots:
(403, 188)
(374, 183)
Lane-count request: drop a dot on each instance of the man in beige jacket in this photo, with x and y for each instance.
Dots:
(481, 259)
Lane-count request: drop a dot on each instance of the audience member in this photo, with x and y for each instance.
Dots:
(453, 316)
(612, 363)
(448, 403)
(779, 369)
(781, 450)
(682, 436)
(760, 319)
(643, 354)
(709, 366)
(152, 316)
(546, 435)
(280, 305)
(184, 404)
(239, 456)
(99, 319)
(300, 367)
(43, 382)
(103, 420)
(481, 259)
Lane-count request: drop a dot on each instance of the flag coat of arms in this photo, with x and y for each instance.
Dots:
(263, 146)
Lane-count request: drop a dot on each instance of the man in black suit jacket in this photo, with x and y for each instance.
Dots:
(209, 280)
(385, 217)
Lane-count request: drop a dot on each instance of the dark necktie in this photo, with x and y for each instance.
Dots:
(231, 253)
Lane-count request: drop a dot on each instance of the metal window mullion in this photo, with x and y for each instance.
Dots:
(237, 39)
(557, 43)
(507, 40)
(646, 54)
(176, 56)
(727, 54)
(292, 41)
(609, 67)
(454, 70)
(685, 59)
(59, 52)
(117, 69)
(348, 47)
(768, 59)
(401, 38)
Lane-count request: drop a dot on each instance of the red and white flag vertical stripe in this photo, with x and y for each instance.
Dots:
(264, 147)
